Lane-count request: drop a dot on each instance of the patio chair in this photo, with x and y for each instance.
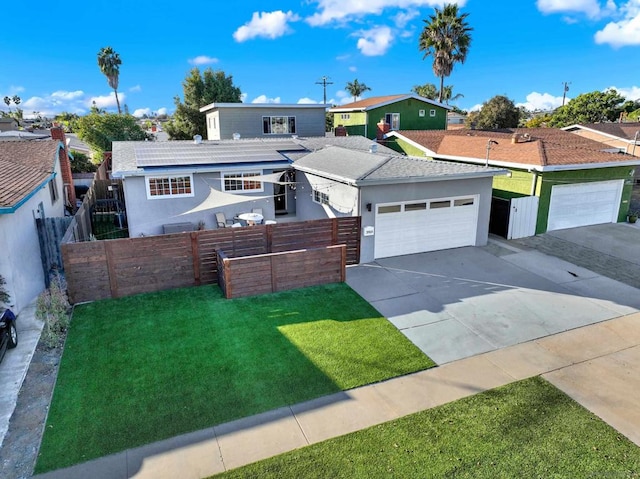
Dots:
(222, 221)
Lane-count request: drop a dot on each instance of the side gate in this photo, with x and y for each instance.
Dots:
(523, 217)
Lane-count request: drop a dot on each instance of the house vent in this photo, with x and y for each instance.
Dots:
(373, 148)
(236, 136)
(197, 139)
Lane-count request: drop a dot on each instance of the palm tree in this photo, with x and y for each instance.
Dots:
(446, 37)
(109, 63)
(356, 88)
(447, 94)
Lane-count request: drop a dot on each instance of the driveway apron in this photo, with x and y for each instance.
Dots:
(458, 303)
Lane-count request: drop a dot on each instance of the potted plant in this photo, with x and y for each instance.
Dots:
(632, 216)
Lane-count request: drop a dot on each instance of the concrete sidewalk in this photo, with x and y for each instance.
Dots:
(598, 365)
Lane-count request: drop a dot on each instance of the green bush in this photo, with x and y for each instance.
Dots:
(53, 308)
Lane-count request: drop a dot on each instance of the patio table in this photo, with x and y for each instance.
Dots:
(251, 218)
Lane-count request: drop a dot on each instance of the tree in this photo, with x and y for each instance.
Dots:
(355, 88)
(100, 130)
(200, 90)
(445, 37)
(499, 112)
(591, 107)
(109, 63)
(428, 90)
(18, 113)
(67, 120)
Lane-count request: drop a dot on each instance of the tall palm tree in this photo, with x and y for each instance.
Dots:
(447, 94)
(109, 63)
(355, 88)
(446, 37)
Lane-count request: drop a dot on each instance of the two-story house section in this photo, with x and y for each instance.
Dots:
(226, 121)
(397, 112)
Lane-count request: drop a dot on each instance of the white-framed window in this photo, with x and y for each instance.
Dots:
(320, 197)
(345, 116)
(243, 181)
(278, 125)
(420, 113)
(432, 113)
(393, 120)
(169, 186)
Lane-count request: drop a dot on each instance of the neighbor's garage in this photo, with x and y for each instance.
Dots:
(584, 204)
(425, 225)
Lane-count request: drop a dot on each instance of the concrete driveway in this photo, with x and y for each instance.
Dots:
(458, 303)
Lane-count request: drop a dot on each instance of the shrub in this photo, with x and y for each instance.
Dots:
(53, 308)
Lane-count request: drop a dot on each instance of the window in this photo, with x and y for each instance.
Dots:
(247, 181)
(415, 206)
(53, 190)
(393, 119)
(439, 204)
(389, 209)
(320, 197)
(278, 125)
(169, 186)
(432, 113)
(420, 112)
(345, 116)
(463, 202)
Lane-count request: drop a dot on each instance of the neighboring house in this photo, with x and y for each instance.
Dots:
(31, 187)
(8, 124)
(408, 205)
(455, 120)
(182, 184)
(375, 116)
(558, 179)
(624, 137)
(226, 121)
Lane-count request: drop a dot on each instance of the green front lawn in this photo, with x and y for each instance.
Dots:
(144, 368)
(527, 429)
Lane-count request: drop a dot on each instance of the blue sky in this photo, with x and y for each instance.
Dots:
(524, 49)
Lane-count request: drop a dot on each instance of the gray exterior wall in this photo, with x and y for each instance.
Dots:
(345, 195)
(147, 216)
(248, 122)
(343, 198)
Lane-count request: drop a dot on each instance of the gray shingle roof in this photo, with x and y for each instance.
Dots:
(362, 168)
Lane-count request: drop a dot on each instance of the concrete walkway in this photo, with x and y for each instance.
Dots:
(15, 364)
(598, 365)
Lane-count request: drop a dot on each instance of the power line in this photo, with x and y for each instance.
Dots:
(324, 82)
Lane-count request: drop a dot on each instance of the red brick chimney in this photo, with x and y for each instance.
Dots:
(383, 129)
(57, 133)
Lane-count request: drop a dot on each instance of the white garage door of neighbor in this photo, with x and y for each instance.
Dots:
(425, 225)
(584, 204)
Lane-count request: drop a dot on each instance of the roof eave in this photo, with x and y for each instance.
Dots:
(14, 208)
(430, 179)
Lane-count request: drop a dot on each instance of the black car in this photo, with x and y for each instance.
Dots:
(8, 331)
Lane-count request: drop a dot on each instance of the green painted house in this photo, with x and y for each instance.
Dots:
(557, 179)
(389, 113)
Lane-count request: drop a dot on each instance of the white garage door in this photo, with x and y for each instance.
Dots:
(425, 225)
(584, 204)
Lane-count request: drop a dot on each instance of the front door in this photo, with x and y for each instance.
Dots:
(280, 194)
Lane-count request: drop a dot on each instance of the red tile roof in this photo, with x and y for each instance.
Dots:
(543, 146)
(24, 165)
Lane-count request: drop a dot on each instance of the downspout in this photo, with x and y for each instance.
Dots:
(366, 124)
(534, 183)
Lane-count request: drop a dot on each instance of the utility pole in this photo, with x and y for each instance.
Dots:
(565, 89)
(324, 82)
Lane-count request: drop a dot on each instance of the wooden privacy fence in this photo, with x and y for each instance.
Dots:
(269, 273)
(122, 267)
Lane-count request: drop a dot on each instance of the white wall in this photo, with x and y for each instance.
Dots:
(20, 262)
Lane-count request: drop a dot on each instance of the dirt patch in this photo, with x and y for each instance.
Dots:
(22, 441)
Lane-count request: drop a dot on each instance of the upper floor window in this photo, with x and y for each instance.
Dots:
(432, 113)
(169, 186)
(393, 120)
(345, 116)
(53, 190)
(247, 181)
(320, 197)
(278, 125)
(420, 112)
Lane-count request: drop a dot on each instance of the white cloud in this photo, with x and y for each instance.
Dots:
(162, 111)
(589, 7)
(353, 69)
(266, 24)
(67, 95)
(135, 88)
(342, 58)
(343, 10)
(625, 31)
(13, 90)
(107, 101)
(307, 101)
(403, 18)
(140, 112)
(631, 93)
(264, 99)
(541, 102)
(375, 42)
(203, 60)
(476, 107)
